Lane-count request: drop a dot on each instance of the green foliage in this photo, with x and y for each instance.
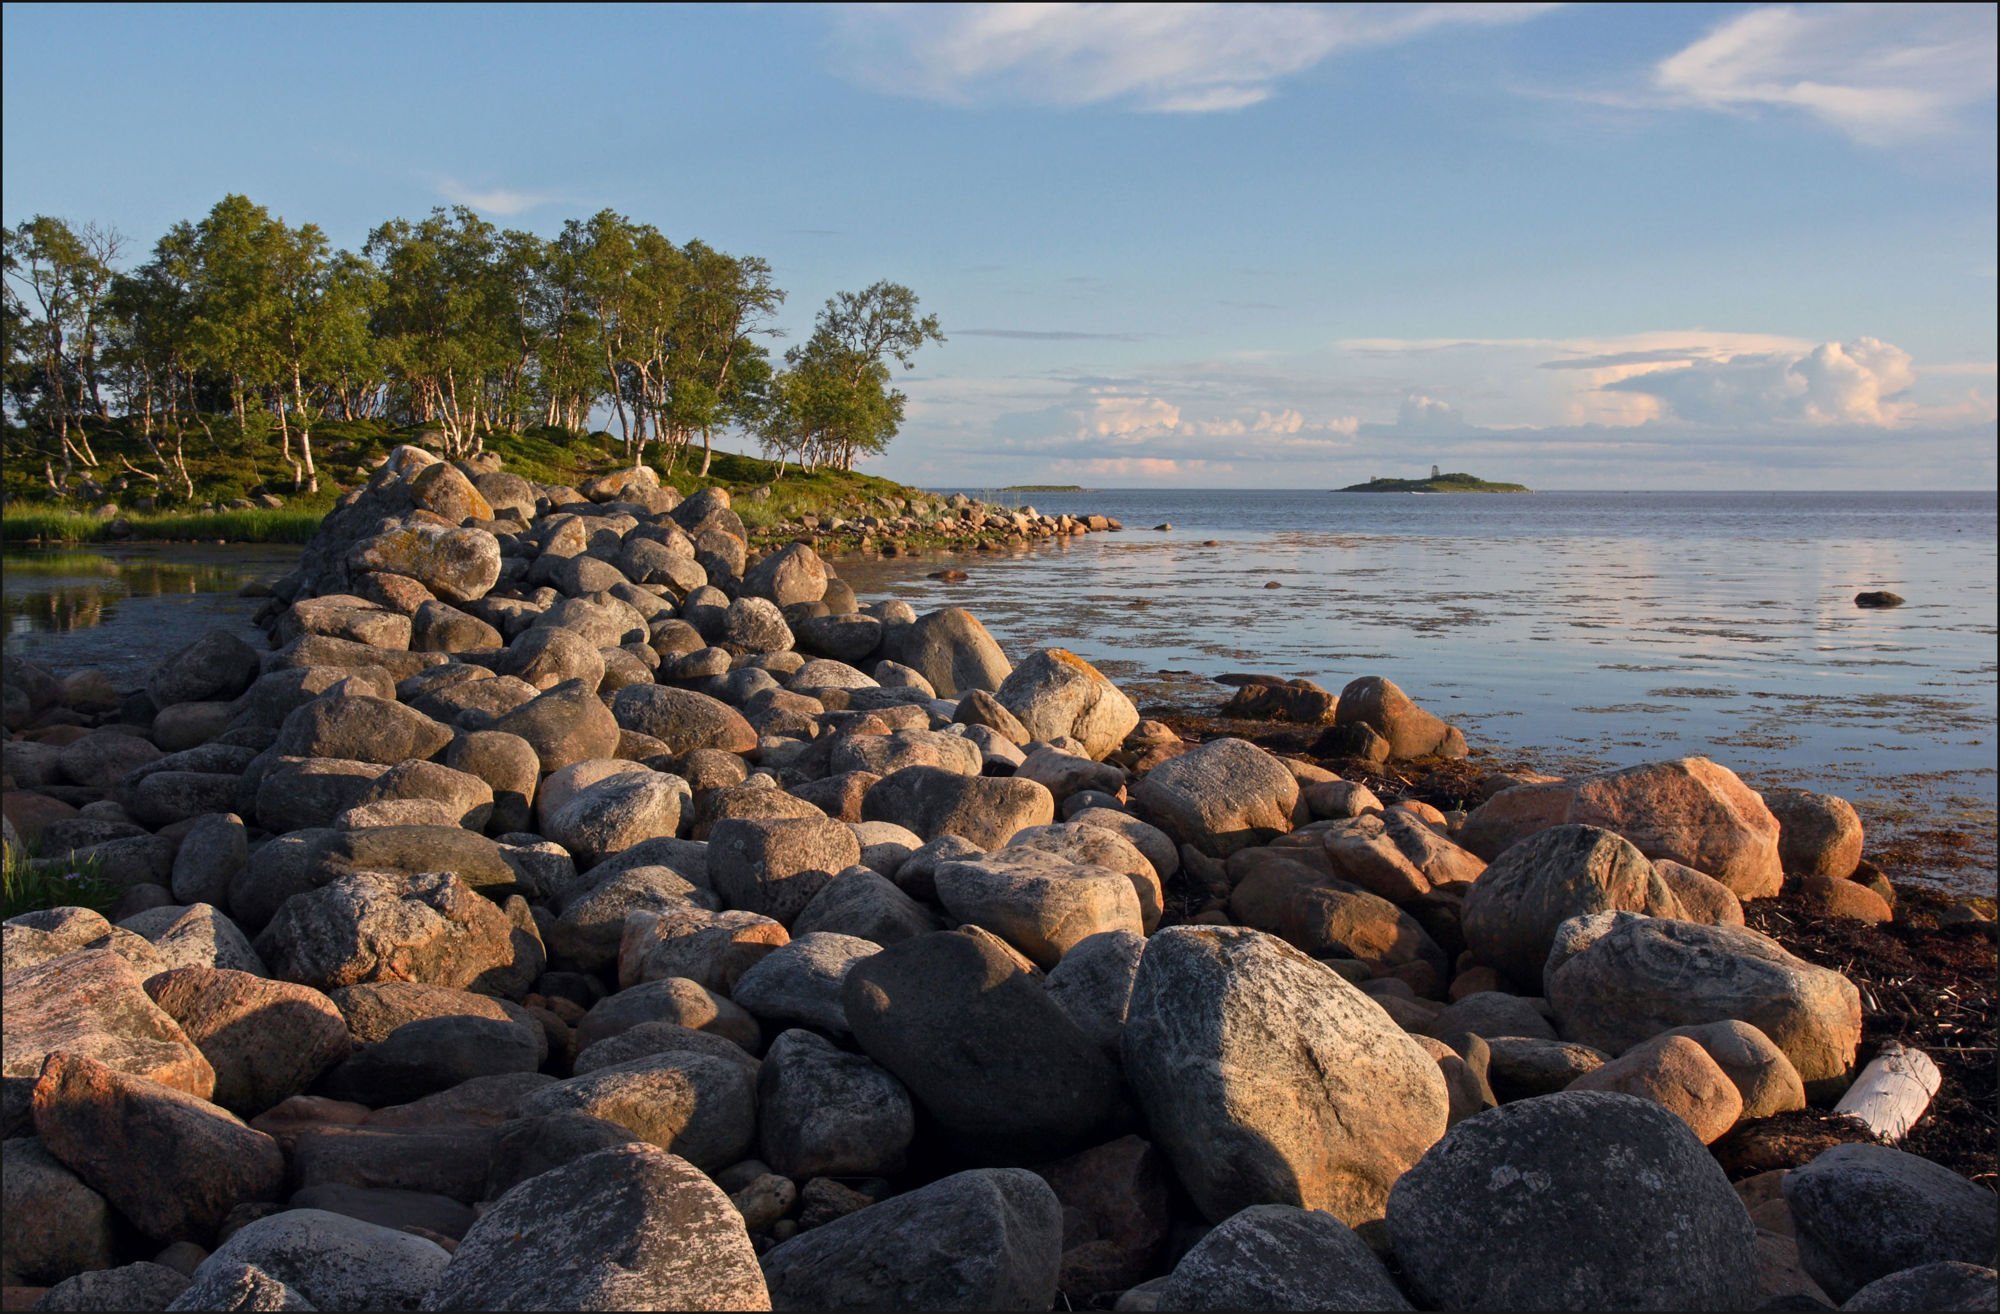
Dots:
(241, 333)
(1444, 483)
(30, 884)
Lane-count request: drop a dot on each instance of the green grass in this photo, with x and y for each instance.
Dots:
(30, 884)
(284, 525)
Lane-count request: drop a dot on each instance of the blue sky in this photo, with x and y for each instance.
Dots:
(1257, 246)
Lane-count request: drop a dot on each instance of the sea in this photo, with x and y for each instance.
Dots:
(1566, 630)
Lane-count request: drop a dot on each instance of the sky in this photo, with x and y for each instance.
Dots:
(1622, 246)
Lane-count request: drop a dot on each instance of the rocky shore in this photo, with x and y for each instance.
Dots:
(573, 908)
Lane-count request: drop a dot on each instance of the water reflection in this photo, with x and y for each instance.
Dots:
(120, 610)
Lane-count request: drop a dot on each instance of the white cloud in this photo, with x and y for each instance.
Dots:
(1167, 58)
(494, 200)
(1882, 74)
(1854, 383)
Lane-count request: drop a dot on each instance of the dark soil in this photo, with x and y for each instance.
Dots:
(1930, 978)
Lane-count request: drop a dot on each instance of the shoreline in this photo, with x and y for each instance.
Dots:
(633, 770)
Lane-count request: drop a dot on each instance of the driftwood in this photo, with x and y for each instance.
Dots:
(1893, 1091)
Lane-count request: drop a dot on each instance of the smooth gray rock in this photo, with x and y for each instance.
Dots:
(51, 1224)
(239, 1289)
(1514, 907)
(1581, 1200)
(626, 1228)
(862, 903)
(1054, 692)
(333, 1261)
(1219, 797)
(980, 1044)
(1092, 984)
(823, 1112)
(798, 984)
(141, 1286)
(986, 811)
(699, 1107)
(987, 1239)
(774, 867)
(1863, 1212)
(1945, 1285)
(1267, 1078)
(1279, 1257)
(1040, 903)
(1653, 974)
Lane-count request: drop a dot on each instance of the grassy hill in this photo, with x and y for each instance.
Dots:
(227, 467)
(1445, 483)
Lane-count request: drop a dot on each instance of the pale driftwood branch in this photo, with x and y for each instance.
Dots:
(1893, 1091)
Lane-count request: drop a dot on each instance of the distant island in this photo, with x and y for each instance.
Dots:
(1437, 483)
(1043, 488)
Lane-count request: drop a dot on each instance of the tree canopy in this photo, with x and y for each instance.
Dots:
(446, 322)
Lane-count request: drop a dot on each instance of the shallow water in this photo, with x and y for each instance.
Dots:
(1571, 630)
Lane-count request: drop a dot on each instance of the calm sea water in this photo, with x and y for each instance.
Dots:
(1567, 629)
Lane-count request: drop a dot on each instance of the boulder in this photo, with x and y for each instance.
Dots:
(979, 1044)
(950, 649)
(91, 1004)
(1268, 1078)
(1092, 984)
(986, 1239)
(823, 1112)
(457, 565)
(51, 1224)
(985, 810)
(1651, 974)
(1863, 1212)
(1945, 1285)
(1036, 901)
(1397, 856)
(331, 1261)
(1280, 1257)
(1689, 810)
(798, 984)
(1818, 834)
(712, 948)
(266, 1040)
(620, 813)
(1762, 1075)
(1219, 797)
(775, 867)
(862, 903)
(195, 1162)
(430, 927)
(1055, 693)
(794, 573)
(140, 1286)
(1679, 1076)
(682, 719)
(216, 667)
(631, 1227)
(564, 725)
(1099, 846)
(674, 1000)
(1511, 913)
(694, 1105)
(1409, 730)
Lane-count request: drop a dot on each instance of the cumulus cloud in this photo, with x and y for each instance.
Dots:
(1163, 58)
(1853, 383)
(1882, 74)
(494, 200)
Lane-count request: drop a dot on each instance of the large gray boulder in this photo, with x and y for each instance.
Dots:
(1651, 974)
(1221, 796)
(1268, 1079)
(240, 1289)
(626, 1228)
(794, 573)
(774, 867)
(823, 1112)
(988, 1239)
(986, 810)
(798, 984)
(1928, 1288)
(1511, 913)
(980, 1044)
(1410, 731)
(1574, 1201)
(1863, 1212)
(1280, 1257)
(949, 648)
(1055, 693)
(1038, 902)
(216, 667)
(333, 1261)
(682, 719)
(430, 927)
(695, 1105)
(51, 1224)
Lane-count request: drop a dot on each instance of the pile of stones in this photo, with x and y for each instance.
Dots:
(569, 910)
